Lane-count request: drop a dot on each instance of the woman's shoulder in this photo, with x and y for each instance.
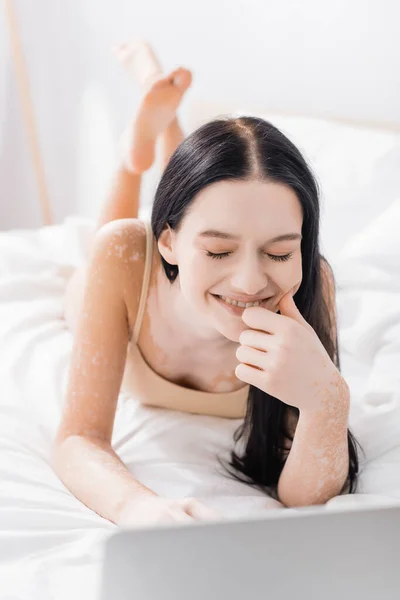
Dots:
(123, 244)
(122, 236)
(123, 241)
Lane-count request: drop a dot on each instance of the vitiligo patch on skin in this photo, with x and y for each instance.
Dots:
(119, 249)
(136, 256)
(97, 358)
(160, 347)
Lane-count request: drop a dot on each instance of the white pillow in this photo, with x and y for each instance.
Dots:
(356, 167)
(368, 302)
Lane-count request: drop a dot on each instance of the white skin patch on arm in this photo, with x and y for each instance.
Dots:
(135, 256)
(100, 341)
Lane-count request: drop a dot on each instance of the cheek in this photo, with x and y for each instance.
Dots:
(297, 275)
(196, 277)
(290, 277)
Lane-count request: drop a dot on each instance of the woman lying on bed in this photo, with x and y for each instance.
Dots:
(238, 316)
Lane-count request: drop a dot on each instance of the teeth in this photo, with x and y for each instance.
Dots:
(240, 304)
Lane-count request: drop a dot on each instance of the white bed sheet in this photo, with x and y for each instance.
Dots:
(50, 543)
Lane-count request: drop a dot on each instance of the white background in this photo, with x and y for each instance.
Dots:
(338, 58)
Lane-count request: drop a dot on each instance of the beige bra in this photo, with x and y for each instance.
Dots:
(149, 388)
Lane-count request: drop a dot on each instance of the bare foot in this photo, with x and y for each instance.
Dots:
(157, 109)
(140, 61)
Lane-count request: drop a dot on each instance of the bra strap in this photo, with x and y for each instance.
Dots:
(145, 284)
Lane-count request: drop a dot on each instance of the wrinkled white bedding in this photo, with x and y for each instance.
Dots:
(50, 543)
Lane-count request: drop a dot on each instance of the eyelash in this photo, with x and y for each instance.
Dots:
(282, 258)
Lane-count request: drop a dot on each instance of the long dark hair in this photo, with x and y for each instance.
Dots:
(242, 149)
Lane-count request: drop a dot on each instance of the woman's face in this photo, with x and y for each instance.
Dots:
(252, 265)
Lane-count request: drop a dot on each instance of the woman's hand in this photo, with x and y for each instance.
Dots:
(283, 356)
(150, 510)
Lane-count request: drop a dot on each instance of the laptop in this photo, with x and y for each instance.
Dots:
(306, 554)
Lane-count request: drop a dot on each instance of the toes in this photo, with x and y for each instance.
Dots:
(181, 77)
(126, 49)
(140, 61)
(120, 51)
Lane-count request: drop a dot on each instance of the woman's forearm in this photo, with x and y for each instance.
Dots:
(96, 475)
(318, 462)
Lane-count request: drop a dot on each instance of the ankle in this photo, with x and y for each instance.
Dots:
(174, 127)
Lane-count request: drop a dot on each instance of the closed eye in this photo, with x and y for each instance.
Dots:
(275, 257)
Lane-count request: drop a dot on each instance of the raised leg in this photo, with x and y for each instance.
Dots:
(124, 199)
(142, 65)
(170, 140)
(155, 119)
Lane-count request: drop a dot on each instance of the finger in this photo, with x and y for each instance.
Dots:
(198, 510)
(176, 512)
(262, 319)
(182, 516)
(251, 375)
(256, 339)
(252, 357)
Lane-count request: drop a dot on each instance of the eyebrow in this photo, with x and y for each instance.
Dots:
(228, 236)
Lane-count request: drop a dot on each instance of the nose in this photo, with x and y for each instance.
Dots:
(249, 278)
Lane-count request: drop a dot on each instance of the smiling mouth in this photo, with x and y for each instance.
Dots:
(235, 309)
(262, 303)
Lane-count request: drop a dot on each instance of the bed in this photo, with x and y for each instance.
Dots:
(51, 544)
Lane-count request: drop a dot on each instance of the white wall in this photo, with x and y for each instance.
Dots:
(336, 59)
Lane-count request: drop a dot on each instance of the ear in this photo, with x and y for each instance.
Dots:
(166, 245)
